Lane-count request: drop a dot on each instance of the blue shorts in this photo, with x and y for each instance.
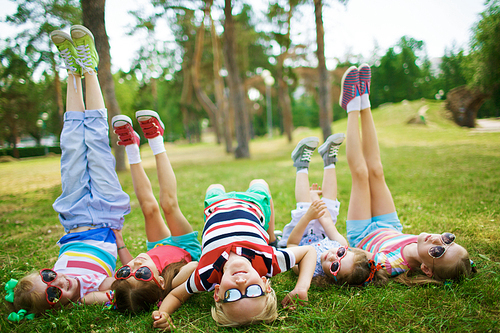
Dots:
(188, 242)
(257, 193)
(359, 229)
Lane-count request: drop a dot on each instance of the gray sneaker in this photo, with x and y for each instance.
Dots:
(330, 148)
(301, 155)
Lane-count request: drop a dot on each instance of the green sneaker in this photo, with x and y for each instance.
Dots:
(67, 50)
(88, 59)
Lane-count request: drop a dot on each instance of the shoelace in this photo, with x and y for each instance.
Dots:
(306, 154)
(124, 134)
(149, 127)
(334, 149)
(68, 64)
(84, 58)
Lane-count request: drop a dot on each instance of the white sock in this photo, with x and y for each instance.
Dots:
(133, 154)
(304, 170)
(157, 145)
(331, 166)
(354, 104)
(365, 101)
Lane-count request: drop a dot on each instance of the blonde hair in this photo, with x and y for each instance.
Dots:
(26, 298)
(461, 269)
(268, 314)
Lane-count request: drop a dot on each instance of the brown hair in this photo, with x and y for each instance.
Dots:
(26, 298)
(128, 298)
(268, 314)
(359, 274)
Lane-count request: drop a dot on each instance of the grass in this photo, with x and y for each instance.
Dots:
(443, 178)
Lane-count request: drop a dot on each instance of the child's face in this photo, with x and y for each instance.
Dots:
(331, 256)
(143, 260)
(436, 243)
(239, 274)
(69, 286)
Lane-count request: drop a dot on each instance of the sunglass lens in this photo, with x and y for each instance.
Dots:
(448, 238)
(436, 251)
(341, 252)
(232, 295)
(123, 272)
(53, 294)
(254, 291)
(143, 273)
(335, 266)
(48, 275)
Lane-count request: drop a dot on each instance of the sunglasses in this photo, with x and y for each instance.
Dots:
(143, 273)
(438, 251)
(52, 293)
(335, 266)
(233, 295)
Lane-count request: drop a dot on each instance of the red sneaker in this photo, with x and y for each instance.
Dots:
(350, 86)
(365, 76)
(122, 126)
(150, 123)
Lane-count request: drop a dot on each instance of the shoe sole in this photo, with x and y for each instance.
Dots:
(342, 83)
(82, 28)
(149, 114)
(61, 34)
(121, 118)
(304, 141)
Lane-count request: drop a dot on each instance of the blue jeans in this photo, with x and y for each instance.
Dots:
(91, 192)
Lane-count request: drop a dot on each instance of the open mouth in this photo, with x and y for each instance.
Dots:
(239, 272)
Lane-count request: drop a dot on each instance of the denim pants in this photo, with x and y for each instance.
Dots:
(91, 192)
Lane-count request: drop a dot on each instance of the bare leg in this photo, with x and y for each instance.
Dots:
(329, 187)
(176, 221)
(360, 202)
(302, 187)
(74, 97)
(381, 198)
(270, 230)
(156, 229)
(93, 94)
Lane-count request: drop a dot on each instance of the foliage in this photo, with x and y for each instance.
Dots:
(442, 177)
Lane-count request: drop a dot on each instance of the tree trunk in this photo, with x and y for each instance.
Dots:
(185, 100)
(464, 104)
(223, 121)
(207, 104)
(93, 18)
(325, 104)
(237, 93)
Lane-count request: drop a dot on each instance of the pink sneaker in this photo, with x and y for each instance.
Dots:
(150, 123)
(122, 126)
(365, 76)
(350, 86)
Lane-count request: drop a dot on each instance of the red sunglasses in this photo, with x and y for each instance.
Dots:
(143, 273)
(335, 266)
(52, 293)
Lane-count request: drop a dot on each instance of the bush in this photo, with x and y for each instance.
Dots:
(30, 151)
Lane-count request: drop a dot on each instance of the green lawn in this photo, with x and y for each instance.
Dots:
(443, 178)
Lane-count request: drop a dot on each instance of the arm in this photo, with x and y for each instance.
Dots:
(331, 230)
(123, 252)
(184, 274)
(305, 256)
(172, 302)
(96, 297)
(315, 211)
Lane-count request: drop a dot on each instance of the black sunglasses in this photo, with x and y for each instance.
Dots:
(52, 293)
(438, 251)
(233, 295)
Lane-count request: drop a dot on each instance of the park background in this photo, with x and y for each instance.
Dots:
(444, 177)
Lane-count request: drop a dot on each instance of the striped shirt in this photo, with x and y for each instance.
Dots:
(89, 256)
(234, 225)
(387, 246)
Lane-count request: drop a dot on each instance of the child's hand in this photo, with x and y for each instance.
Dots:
(163, 321)
(316, 210)
(295, 296)
(315, 191)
